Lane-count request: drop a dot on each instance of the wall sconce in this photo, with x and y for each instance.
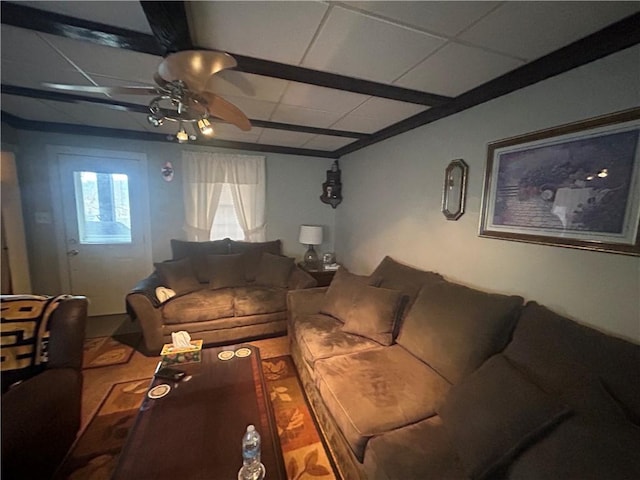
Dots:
(455, 189)
(332, 188)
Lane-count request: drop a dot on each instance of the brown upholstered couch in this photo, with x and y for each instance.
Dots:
(224, 291)
(462, 383)
(41, 414)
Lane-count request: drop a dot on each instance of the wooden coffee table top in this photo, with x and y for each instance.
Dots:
(196, 430)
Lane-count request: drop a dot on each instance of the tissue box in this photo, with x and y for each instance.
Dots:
(177, 356)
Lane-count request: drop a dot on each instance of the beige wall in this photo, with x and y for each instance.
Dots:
(393, 194)
(293, 187)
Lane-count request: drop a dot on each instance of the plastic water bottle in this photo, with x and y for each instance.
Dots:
(251, 466)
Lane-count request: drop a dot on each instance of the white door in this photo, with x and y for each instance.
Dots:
(106, 240)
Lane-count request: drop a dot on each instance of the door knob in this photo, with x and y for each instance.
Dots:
(73, 253)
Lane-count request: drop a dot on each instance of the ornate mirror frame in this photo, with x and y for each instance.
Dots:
(454, 192)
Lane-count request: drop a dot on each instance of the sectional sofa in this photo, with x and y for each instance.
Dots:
(412, 376)
(221, 291)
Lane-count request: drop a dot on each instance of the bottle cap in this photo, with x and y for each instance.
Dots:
(250, 428)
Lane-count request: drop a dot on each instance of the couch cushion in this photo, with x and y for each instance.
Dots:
(198, 306)
(583, 450)
(256, 299)
(339, 297)
(454, 328)
(197, 252)
(321, 336)
(226, 271)
(374, 313)
(252, 252)
(376, 390)
(408, 280)
(178, 275)
(560, 353)
(274, 270)
(421, 451)
(494, 413)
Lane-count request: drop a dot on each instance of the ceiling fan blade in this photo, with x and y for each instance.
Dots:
(108, 90)
(237, 79)
(219, 107)
(194, 67)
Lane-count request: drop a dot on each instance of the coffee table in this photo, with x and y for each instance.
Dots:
(195, 431)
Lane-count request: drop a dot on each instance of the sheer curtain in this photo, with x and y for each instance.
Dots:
(204, 175)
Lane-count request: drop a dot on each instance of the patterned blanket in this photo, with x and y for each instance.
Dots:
(24, 335)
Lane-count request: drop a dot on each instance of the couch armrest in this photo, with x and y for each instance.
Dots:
(40, 419)
(305, 302)
(67, 330)
(300, 279)
(147, 287)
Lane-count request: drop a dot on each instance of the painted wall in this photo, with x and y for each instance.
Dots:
(293, 187)
(393, 193)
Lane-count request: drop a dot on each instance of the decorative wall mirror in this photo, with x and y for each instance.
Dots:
(455, 189)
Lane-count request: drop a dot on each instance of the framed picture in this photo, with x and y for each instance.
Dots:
(576, 185)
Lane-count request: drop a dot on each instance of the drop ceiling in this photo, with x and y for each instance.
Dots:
(320, 79)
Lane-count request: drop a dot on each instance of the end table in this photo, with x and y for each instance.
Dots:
(323, 277)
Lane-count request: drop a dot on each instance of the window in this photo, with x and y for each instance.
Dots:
(225, 223)
(102, 201)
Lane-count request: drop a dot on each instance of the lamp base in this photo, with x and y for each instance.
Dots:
(311, 259)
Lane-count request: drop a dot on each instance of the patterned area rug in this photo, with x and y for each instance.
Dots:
(94, 456)
(106, 351)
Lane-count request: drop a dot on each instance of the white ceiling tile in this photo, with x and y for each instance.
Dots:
(31, 109)
(376, 107)
(455, 69)
(359, 123)
(96, 115)
(445, 18)
(32, 76)
(108, 61)
(259, 87)
(127, 15)
(360, 46)
(28, 47)
(225, 131)
(279, 31)
(284, 138)
(531, 29)
(304, 116)
(327, 142)
(321, 98)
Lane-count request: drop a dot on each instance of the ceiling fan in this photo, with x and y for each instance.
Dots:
(181, 94)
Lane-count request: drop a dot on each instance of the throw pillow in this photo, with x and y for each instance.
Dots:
(178, 275)
(494, 413)
(454, 329)
(24, 328)
(274, 270)
(197, 252)
(253, 253)
(374, 313)
(226, 271)
(339, 296)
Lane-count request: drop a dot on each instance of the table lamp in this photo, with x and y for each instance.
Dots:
(311, 235)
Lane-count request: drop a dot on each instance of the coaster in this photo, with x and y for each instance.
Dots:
(159, 391)
(225, 355)
(243, 352)
(261, 472)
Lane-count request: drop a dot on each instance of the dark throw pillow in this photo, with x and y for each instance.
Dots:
(226, 271)
(374, 313)
(337, 300)
(274, 270)
(495, 413)
(178, 275)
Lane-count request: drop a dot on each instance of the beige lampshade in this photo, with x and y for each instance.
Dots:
(310, 234)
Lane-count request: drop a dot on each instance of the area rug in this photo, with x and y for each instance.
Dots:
(107, 351)
(94, 456)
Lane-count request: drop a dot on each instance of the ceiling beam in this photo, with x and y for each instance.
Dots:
(73, 129)
(168, 22)
(618, 36)
(79, 29)
(135, 108)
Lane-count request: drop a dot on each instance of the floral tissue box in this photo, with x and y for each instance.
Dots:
(177, 356)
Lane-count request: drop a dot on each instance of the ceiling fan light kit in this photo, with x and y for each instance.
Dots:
(181, 95)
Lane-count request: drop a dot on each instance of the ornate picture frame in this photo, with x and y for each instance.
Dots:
(454, 191)
(576, 186)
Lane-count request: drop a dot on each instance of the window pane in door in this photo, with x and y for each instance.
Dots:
(102, 206)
